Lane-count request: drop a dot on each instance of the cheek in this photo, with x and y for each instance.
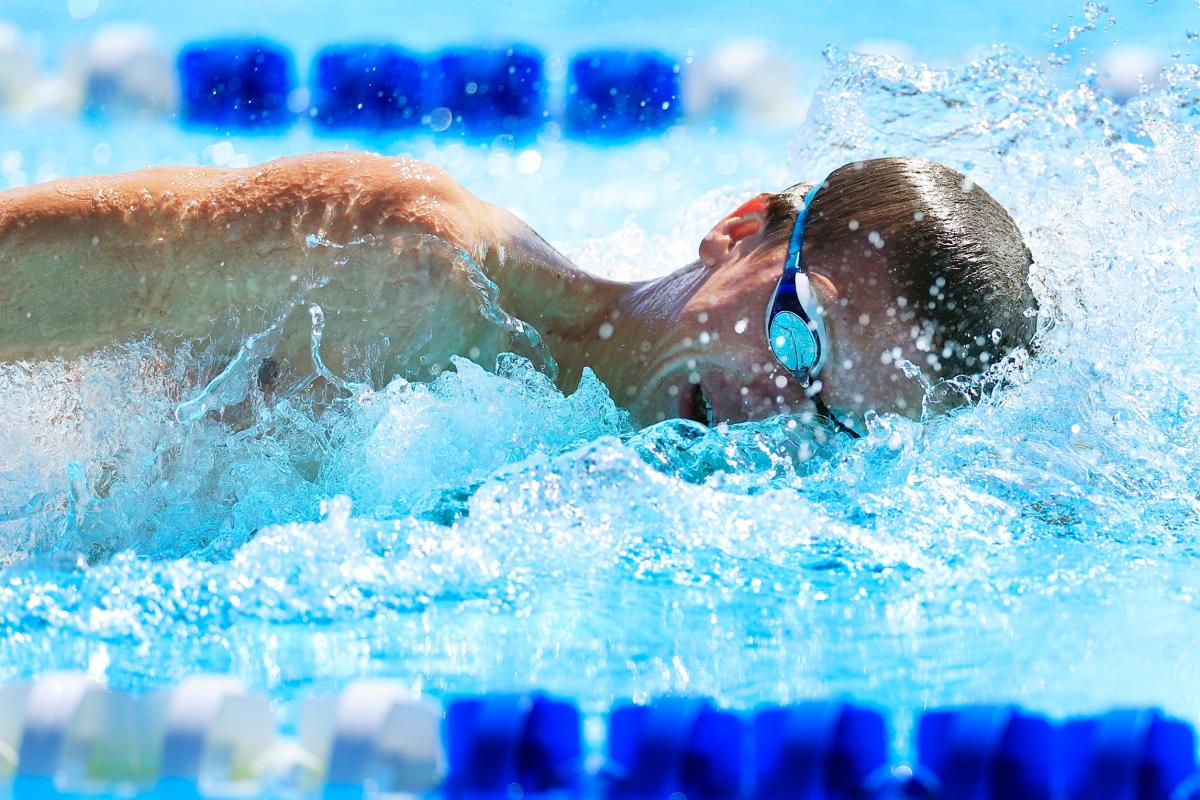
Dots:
(769, 393)
(861, 374)
(871, 381)
(761, 387)
(733, 395)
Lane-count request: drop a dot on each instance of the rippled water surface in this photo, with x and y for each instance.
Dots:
(485, 531)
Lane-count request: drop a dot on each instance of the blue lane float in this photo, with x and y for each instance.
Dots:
(986, 753)
(616, 94)
(822, 750)
(366, 88)
(675, 746)
(1135, 754)
(236, 84)
(244, 84)
(501, 741)
(491, 91)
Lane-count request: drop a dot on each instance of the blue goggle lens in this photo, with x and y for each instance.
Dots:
(792, 342)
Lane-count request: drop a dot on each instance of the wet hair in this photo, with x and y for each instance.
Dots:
(957, 259)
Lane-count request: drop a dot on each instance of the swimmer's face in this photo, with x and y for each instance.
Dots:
(714, 363)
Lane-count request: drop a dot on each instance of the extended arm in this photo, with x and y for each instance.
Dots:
(86, 261)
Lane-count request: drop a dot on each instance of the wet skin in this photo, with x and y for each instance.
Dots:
(166, 251)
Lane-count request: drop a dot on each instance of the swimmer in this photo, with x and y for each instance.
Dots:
(824, 298)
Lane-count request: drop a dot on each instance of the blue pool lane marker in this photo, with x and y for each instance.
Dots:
(498, 742)
(1133, 754)
(244, 84)
(367, 88)
(239, 84)
(618, 94)
(490, 91)
(674, 746)
(821, 750)
(986, 753)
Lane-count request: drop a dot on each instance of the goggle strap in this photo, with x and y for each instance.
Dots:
(824, 410)
(795, 253)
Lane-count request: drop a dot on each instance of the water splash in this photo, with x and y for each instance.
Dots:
(498, 533)
(318, 333)
(234, 382)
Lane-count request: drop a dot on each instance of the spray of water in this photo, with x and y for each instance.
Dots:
(1037, 544)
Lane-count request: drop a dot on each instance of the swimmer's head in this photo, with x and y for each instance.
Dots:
(913, 266)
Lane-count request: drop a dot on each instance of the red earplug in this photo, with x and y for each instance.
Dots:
(754, 204)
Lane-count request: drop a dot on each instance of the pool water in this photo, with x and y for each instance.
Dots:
(485, 531)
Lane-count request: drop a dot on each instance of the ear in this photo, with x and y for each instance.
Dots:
(745, 227)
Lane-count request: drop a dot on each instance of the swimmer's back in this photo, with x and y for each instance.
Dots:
(85, 261)
(333, 194)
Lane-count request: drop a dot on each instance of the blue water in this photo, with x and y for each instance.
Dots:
(485, 531)
(563, 26)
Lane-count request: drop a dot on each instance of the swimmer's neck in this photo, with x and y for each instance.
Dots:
(585, 320)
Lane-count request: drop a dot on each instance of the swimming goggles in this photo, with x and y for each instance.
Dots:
(795, 322)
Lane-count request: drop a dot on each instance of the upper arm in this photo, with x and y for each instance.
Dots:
(338, 195)
(84, 261)
(347, 195)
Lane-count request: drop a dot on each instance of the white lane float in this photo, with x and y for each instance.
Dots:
(374, 734)
(65, 734)
(210, 737)
(744, 79)
(121, 72)
(24, 88)
(1125, 70)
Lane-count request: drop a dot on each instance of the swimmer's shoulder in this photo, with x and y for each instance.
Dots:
(339, 194)
(75, 204)
(368, 193)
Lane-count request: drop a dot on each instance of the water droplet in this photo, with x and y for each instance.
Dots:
(440, 119)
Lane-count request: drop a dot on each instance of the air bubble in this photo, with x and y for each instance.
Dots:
(440, 119)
